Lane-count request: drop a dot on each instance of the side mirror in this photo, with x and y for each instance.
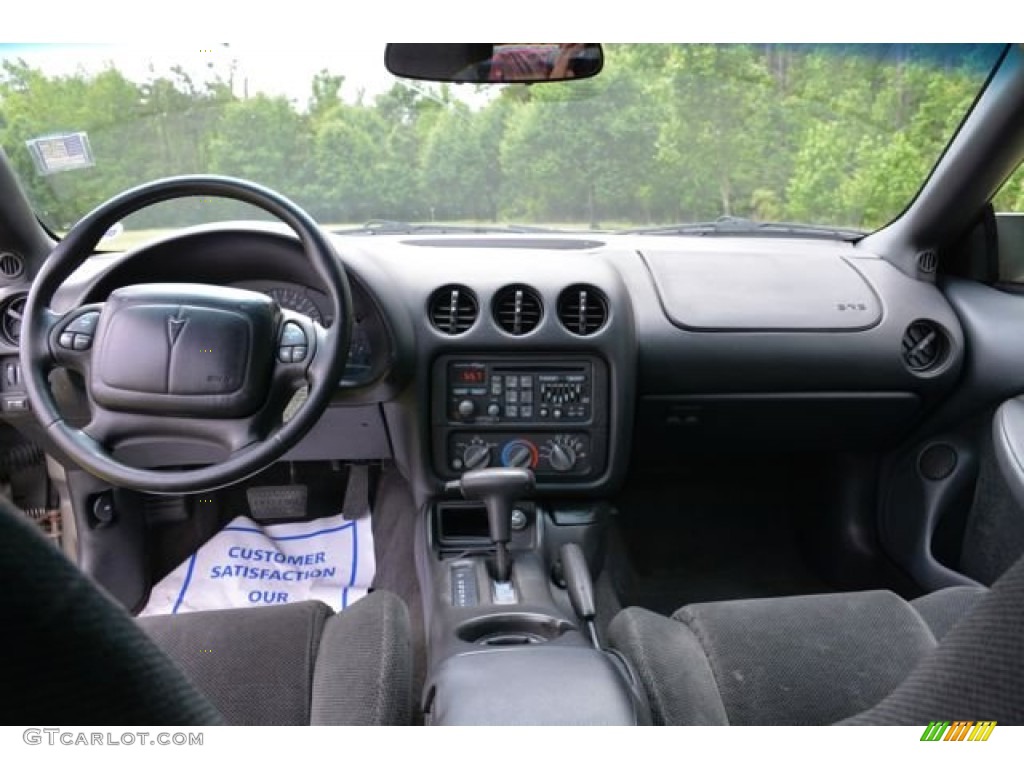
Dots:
(494, 62)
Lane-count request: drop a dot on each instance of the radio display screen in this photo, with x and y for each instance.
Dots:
(470, 375)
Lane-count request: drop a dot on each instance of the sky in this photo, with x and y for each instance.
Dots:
(279, 46)
(287, 72)
(341, 25)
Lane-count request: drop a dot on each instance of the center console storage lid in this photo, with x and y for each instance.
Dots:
(532, 685)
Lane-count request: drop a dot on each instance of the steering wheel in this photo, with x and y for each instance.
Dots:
(206, 365)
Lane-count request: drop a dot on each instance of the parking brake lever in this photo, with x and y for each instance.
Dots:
(581, 587)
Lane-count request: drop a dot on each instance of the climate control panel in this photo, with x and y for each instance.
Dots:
(564, 453)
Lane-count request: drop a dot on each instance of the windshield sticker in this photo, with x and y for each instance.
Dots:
(62, 152)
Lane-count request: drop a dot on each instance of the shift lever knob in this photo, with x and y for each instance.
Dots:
(498, 488)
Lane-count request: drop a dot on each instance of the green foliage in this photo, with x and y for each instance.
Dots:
(666, 133)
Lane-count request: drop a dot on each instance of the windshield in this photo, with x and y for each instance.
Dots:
(824, 135)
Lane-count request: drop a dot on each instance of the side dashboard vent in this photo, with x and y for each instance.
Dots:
(517, 309)
(11, 313)
(453, 309)
(924, 346)
(11, 265)
(582, 309)
(927, 262)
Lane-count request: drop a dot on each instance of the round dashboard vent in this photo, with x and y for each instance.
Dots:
(924, 346)
(453, 309)
(11, 265)
(517, 309)
(11, 312)
(582, 309)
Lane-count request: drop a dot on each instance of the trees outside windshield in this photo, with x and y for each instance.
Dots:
(836, 135)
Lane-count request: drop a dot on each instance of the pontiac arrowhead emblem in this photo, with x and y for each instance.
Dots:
(175, 325)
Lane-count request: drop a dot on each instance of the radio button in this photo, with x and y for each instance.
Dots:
(494, 409)
(466, 409)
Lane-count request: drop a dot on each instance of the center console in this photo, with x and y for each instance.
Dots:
(508, 642)
(514, 437)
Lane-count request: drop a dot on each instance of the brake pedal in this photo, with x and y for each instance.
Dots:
(273, 502)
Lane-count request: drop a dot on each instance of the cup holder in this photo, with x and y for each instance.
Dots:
(512, 629)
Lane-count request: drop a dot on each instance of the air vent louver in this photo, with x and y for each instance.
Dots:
(453, 309)
(582, 309)
(927, 262)
(517, 309)
(11, 265)
(10, 319)
(924, 346)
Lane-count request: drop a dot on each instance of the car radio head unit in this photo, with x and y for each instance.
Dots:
(491, 393)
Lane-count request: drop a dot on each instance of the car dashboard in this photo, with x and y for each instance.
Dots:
(583, 355)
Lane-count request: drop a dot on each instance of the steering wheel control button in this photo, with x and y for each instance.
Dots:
(292, 336)
(293, 345)
(84, 323)
(77, 335)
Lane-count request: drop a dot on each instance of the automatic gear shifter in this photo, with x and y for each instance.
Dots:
(498, 488)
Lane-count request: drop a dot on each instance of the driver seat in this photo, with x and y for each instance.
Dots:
(73, 656)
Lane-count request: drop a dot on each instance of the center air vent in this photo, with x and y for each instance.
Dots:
(517, 309)
(453, 309)
(924, 346)
(582, 309)
(10, 319)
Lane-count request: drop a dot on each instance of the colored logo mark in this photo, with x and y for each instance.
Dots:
(959, 730)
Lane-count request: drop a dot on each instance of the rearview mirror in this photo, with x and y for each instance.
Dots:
(494, 62)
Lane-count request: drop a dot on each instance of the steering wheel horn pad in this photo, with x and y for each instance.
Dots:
(184, 350)
(211, 364)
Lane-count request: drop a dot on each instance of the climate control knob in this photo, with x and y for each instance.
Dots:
(562, 458)
(519, 453)
(476, 456)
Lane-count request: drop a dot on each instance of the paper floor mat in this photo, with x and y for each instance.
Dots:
(246, 564)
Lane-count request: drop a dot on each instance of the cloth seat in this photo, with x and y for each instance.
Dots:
(822, 659)
(74, 657)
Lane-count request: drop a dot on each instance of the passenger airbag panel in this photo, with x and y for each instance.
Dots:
(766, 291)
